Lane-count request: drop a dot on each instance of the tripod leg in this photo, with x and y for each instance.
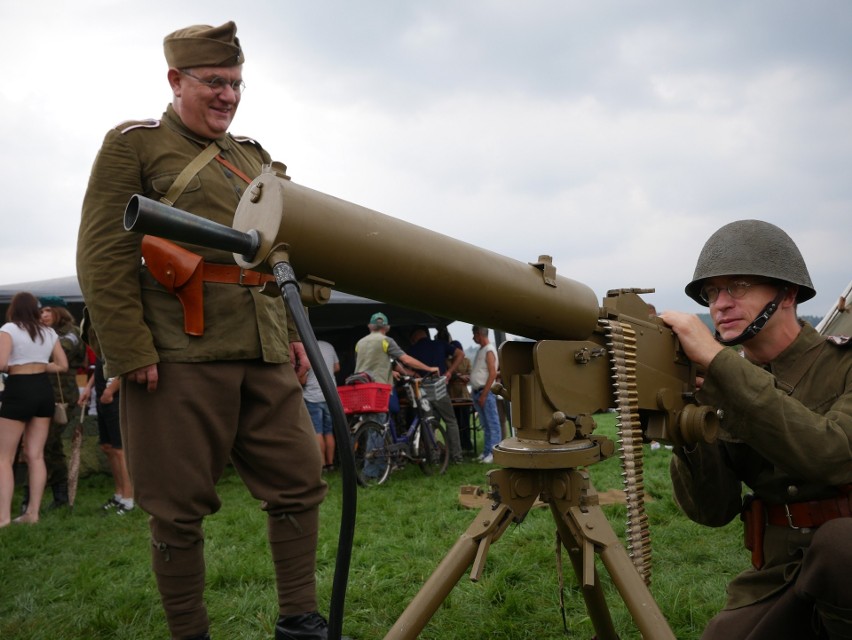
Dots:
(580, 553)
(488, 526)
(590, 530)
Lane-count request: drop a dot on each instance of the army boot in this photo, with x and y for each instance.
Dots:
(304, 626)
(180, 581)
(60, 496)
(293, 541)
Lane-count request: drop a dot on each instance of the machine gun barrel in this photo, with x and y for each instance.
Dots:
(370, 254)
(149, 216)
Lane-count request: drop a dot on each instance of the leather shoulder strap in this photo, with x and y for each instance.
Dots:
(234, 169)
(182, 181)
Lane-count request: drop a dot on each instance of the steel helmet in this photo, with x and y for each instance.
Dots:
(751, 248)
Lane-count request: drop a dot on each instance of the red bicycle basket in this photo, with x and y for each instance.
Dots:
(371, 397)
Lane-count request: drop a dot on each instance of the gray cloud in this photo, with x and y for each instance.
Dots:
(615, 136)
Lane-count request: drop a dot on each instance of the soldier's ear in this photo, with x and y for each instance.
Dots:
(174, 76)
(790, 296)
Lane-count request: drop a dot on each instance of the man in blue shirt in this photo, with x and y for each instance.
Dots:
(435, 353)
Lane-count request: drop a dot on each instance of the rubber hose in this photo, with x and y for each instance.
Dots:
(287, 282)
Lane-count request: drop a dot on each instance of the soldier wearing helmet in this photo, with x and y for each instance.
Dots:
(785, 402)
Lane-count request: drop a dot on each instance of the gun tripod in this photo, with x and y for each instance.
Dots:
(583, 530)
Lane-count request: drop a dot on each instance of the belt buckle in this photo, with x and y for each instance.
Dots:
(242, 281)
(790, 517)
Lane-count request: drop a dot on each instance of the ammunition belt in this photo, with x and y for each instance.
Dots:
(621, 344)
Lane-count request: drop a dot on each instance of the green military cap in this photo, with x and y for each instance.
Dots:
(204, 46)
(52, 301)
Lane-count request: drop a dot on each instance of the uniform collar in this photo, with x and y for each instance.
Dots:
(807, 339)
(173, 121)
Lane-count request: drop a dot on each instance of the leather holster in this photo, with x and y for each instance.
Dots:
(753, 516)
(181, 272)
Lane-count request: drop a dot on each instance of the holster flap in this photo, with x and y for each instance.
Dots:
(171, 265)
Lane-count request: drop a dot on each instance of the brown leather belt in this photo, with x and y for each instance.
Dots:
(810, 515)
(233, 274)
(756, 514)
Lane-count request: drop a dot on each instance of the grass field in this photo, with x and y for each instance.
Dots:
(84, 575)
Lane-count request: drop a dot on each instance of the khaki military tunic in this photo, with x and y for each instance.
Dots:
(138, 322)
(784, 447)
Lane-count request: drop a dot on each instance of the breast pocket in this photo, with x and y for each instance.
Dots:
(162, 183)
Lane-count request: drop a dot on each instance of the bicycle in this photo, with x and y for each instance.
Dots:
(379, 448)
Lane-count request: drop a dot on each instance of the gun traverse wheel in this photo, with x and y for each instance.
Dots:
(433, 454)
(370, 446)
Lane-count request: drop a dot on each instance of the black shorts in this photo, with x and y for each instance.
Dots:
(109, 431)
(27, 396)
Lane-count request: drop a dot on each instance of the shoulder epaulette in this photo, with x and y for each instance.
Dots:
(244, 139)
(840, 341)
(264, 156)
(130, 125)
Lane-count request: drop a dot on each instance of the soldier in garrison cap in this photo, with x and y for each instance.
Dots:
(205, 378)
(785, 402)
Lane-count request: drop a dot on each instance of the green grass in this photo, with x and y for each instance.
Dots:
(86, 575)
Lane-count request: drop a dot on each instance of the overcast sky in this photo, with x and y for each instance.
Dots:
(615, 136)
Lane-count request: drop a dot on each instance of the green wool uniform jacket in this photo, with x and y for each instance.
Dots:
(137, 321)
(785, 447)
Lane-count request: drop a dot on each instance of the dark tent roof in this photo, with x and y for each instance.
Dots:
(342, 321)
(343, 311)
(65, 287)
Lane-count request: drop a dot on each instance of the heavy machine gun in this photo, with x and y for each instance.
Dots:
(582, 358)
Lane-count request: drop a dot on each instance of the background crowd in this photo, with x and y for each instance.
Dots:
(82, 388)
(53, 381)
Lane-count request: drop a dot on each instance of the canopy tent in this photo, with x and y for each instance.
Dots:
(838, 320)
(66, 287)
(342, 321)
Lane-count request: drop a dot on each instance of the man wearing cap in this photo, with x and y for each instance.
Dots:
(375, 352)
(205, 380)
(785, 403)
(438, 353)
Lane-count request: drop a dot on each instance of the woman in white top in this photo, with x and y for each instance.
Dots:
(26, 350)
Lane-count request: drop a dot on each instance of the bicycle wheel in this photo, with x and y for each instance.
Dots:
(433, 454)
(372, 457)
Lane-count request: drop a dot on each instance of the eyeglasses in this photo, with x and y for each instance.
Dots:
(737, 289)
(217, 84)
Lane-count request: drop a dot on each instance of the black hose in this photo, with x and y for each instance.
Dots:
(287, 282)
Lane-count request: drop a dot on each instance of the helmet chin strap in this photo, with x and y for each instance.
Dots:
(758, 323)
